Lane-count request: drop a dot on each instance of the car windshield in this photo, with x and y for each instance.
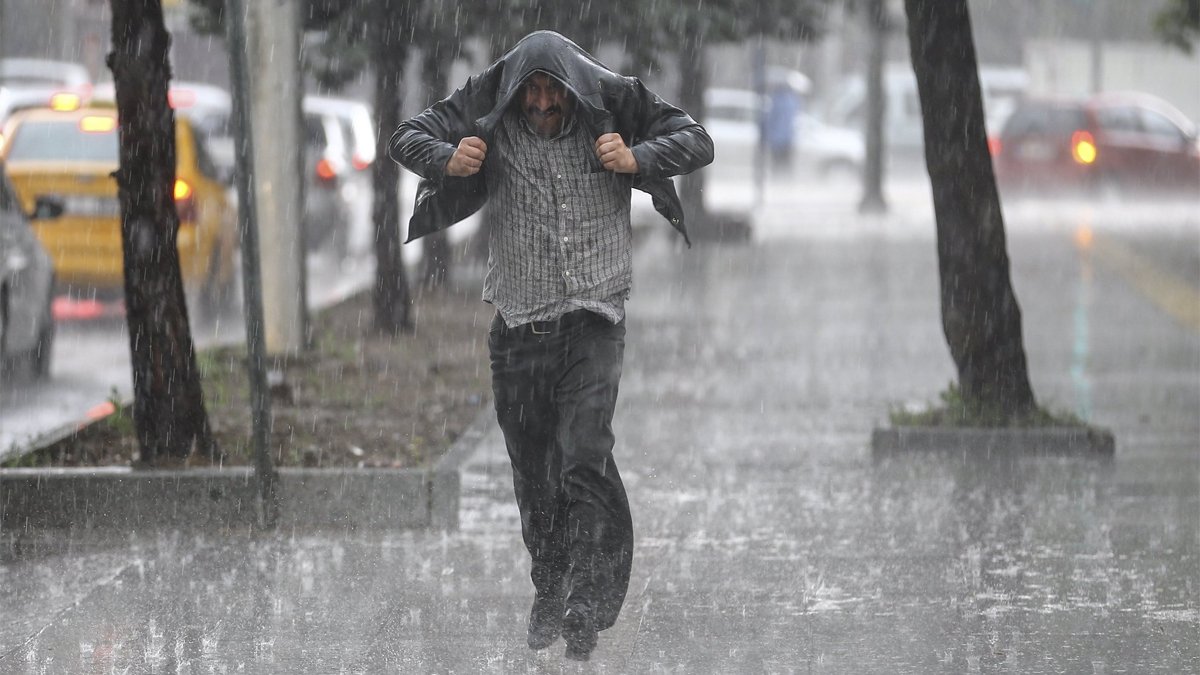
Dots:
(62, 140)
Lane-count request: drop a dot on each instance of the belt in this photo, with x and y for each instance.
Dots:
(551, 325)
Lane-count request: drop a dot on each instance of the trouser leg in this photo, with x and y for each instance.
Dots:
(523, 392)
(600, 530)
(555, 398)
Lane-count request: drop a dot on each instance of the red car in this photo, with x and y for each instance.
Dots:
(1104, 145)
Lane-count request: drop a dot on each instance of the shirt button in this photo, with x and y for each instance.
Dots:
(564, 207)
(567, 273)
(558, 175)
(566, 239)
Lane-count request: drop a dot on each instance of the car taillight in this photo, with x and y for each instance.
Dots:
(994, 146)
(185, 205)
(1083, 147)
(360, 162)
(325, 170)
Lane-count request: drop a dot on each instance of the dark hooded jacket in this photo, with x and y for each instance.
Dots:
(665, 141)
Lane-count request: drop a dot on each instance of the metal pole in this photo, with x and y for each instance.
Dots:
(260, 402)
(760, 154)
(1099, 28)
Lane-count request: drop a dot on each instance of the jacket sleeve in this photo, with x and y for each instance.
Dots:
(423, 144)
(667, 141)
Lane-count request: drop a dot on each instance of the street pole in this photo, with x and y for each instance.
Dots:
(877, 23)
(260, 402)
(273, 45)
(1099, 26)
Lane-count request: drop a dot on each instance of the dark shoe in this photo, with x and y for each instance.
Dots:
(545, 622)
(579, 632)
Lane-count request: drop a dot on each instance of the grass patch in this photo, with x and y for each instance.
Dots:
(955, 412)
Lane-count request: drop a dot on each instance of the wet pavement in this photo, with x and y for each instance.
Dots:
(767, 540)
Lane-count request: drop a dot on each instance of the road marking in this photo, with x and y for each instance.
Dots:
(1173, 295)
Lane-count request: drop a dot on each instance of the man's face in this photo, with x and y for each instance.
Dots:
(546, 103)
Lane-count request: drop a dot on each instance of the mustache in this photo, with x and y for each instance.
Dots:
(552, 110)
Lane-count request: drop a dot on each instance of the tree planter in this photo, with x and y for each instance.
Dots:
(994, 442)
(126, 499)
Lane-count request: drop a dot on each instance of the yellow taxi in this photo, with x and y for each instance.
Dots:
(70, 156)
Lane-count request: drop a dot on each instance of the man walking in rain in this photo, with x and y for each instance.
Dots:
(556, 140)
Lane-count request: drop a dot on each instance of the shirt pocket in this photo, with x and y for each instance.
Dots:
(600, 196)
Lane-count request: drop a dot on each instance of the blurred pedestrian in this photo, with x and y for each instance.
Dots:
(779, 126)
(556, 140)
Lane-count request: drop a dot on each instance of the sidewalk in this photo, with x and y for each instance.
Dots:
(766, 539)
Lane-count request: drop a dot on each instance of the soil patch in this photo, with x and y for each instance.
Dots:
(357, 399)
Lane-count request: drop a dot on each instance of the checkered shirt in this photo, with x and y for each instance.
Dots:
(560, 236)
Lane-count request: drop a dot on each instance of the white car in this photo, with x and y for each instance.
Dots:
(358, 125)
(40, 83)
(357, 122)
(732, 118)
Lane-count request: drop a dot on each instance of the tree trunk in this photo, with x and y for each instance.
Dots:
(169, 413)
(693, 77)
(435, 271)
(388, 56)
(980, 315)
(877, 25)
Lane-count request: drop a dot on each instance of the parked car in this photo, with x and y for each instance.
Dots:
(1002, 87)
(30, 83)
(327, 161)
(358, 125)
(733, 119)
(70, 156)
(1104, 144)
(26, 286)
(207, 107)
(358, 129)
(327, 212)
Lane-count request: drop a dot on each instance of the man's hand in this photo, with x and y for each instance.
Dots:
(615, 155)
(467, 158)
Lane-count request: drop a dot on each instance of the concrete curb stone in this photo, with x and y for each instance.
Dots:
(126, 499)
(994, 442)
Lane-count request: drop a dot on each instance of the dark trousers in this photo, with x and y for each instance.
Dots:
(555, 385)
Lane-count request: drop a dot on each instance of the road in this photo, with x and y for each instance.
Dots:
(1155, 242)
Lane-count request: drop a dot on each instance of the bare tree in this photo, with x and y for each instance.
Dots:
(389, 46)
(980, 314)
(168, 409)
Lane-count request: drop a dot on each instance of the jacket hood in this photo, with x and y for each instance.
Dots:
(552, 53)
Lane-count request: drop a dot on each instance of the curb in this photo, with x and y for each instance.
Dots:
(999, 442)
(125, 499)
